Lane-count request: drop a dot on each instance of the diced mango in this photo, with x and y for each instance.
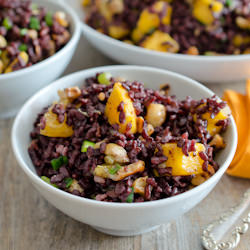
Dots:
(243, 23)
(5, 58)
(118, 32)
(203, 13)
(118, 95)
(161, 41)
(139, 185)
(216, 6)
(137, 35)
(180, 163)
(148, 20)
(1, 66)
(86, 2)
(246, 51)
(203, 10)
(104, 171)
(211, 122)
(54, 128)
(239, 40)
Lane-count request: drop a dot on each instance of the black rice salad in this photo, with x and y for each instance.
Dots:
(193, 27)
(117, 141)
(29, 34)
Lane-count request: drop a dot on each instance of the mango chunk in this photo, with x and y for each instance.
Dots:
(211, 122)
(239, 40)
(148, 20)
(118, 32)
(180, 163)
(203, 13)
(54, 128)
(86, 2)
(203, 10)
(105, 171)
(117, 96)
(161, 41)
(137, 35)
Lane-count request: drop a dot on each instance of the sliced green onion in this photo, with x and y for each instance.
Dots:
(104, 78)
(49, 19)
(23, 32)
(68, 182)
(34, 23)
(47, 180)
(115, 169)
(7, 23)
(58, 162)
(65, 160)
(229, 3)
(23, 47)
(130, 197)
(87, 144)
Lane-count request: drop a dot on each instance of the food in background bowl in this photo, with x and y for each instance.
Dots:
(29, 34)
(115, 140)
(194, 27)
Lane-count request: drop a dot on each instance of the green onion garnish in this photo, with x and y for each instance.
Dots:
(34, 23)
(58, 162)
(229, 3)
(130, 197)
(23, 32)
(7, 23)
(65, 160)
(23, 47)
(87, 144)
(47, 180)
(49, 19)
(68, 182)
(115, 169)
(104, 78)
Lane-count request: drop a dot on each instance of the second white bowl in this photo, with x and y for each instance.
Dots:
(207, 69)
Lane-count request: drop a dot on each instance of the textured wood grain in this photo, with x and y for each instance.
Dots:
(28, 222)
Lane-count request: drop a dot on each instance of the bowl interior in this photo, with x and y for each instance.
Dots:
(152, 78)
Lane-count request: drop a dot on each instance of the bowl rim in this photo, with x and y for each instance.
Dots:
(149, 204)
(134, 48)
(73, 39)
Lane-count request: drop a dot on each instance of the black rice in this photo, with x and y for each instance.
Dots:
(86, 115)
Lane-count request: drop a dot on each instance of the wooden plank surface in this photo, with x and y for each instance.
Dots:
(28, 222)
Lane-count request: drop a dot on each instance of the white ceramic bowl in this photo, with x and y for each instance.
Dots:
(207, 69)
(18, 86)
(117, 218)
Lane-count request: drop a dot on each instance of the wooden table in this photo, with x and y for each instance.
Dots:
(28, 222)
